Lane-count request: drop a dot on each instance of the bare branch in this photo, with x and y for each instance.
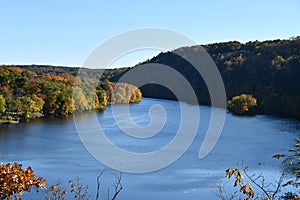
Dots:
(99, 184)
(222, 195)
(260, 186)
(279, 185)
(117, 186)
(263, 186)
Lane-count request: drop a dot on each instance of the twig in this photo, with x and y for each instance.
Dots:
(279, 184)
(271, 194)
(117, 186)
(99, 184)
(255, 182)
(222, 195)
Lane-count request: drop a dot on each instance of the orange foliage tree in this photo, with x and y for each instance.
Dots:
(14, 181)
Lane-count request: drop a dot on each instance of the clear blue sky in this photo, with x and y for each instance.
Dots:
(64, 32)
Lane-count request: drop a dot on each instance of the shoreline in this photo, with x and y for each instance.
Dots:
(16, 119)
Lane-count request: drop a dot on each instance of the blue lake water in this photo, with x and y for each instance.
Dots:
(53, 149)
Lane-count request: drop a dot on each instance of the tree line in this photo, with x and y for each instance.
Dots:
(28, 94)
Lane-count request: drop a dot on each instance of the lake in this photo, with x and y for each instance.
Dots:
(53, 149)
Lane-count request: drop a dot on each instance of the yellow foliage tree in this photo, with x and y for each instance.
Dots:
(243, 104)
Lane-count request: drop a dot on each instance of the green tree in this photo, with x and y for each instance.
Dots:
(64, 101)
(2, 105)
(50, 91)
(29, 106)
(36, 104)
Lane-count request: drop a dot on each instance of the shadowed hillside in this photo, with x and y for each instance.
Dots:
(269, 70)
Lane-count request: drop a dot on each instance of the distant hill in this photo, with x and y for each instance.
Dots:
(63, 70)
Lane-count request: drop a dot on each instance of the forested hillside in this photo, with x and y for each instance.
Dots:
(269, 70)
(28, 94)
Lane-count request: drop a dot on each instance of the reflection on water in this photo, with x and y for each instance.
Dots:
(52, 147)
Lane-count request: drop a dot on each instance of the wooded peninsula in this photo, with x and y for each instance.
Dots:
(29, 93)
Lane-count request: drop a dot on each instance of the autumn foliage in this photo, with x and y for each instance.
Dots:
(269, 190)
(243, 104)
(246, 189)
(14, 180)
(28, 94)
